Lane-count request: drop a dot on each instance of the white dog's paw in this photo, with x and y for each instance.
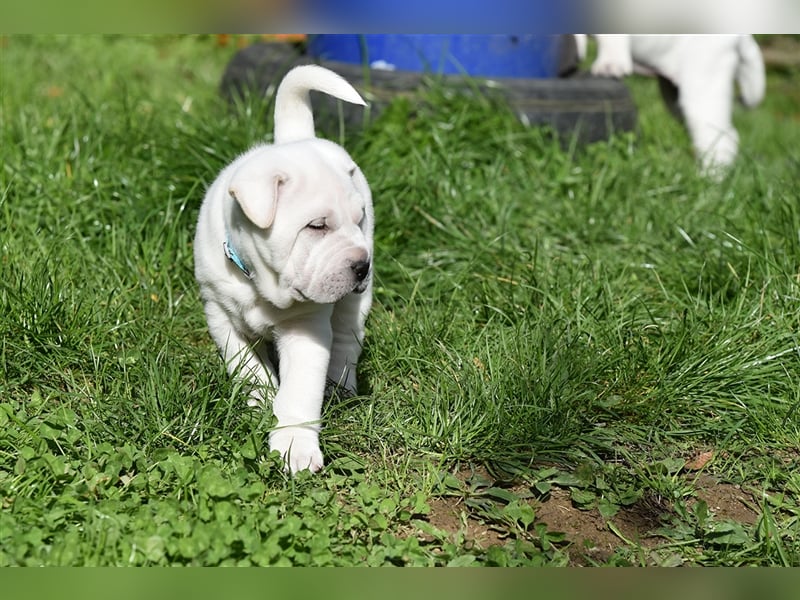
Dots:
(618, 67)
(299, 447)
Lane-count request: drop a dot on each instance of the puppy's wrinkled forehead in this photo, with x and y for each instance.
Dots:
(320, 170)
(309, 155)
(294, 178)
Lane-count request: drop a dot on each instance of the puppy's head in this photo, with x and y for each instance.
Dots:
(305, 220)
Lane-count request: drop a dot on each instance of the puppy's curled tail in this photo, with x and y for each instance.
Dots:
(294, 120)
(750, 73)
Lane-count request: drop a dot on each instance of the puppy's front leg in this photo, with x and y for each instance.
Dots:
(348, 321)
(303, 354)
(243, 358)
(614, 58)
(706, 100)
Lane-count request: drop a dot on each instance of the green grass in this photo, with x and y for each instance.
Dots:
(582, 320)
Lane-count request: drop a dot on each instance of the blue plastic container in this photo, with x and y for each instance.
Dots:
(436, 16)
(496, 55)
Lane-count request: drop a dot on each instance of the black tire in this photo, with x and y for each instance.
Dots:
(580, 107)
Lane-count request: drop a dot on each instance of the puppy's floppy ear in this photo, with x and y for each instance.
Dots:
(257, 195)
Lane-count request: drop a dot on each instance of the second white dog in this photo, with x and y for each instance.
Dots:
(283, 255)
(703, 68)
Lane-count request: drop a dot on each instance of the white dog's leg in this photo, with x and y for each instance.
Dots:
(581, 45)
(242, 357)
(304, 352)
(614, 57)
(348, 320)
(706, 101)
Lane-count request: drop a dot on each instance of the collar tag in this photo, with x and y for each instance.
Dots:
(231, 255)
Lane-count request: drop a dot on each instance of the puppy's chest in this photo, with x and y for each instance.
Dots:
(260, 318)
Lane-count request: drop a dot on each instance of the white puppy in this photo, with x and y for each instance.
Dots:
(283, 255)
(703, 69)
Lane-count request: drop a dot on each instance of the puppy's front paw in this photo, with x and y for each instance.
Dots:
(617, 67)
(299, 447)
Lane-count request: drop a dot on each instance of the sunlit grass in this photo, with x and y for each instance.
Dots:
(536, 303)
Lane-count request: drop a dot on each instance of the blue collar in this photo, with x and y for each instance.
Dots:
(232, 256)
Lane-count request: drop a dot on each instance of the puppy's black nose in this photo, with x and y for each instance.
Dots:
(360, 269)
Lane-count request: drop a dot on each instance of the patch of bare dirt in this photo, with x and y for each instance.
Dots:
(586, 530)
(449, 514)
(726, 500)
(593, 538)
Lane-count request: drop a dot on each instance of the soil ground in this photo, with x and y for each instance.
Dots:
(591, 537)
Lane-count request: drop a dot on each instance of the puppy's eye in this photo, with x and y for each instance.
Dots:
(318, 225)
